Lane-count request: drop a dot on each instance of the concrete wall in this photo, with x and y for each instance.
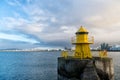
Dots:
(105, 65)
(88, 69)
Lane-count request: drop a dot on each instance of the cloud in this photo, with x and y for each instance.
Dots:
(57, 21)
(21, 38)
(69, 29)
(106, 17)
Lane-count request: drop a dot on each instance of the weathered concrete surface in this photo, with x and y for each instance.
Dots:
(89, 72)
(88, 69)
(104, 67)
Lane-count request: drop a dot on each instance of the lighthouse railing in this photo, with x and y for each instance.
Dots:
(91, 39)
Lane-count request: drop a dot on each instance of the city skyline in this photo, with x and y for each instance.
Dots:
(50, 23)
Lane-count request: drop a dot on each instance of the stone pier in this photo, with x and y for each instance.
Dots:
(71, 68)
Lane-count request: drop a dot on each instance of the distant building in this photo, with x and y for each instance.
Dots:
(115, 47)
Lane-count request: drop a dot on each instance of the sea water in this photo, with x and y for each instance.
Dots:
(38, 65)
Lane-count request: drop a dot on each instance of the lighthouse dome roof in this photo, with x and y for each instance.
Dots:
(82, 29)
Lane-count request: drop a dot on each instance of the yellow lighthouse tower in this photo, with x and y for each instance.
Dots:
(82, 49)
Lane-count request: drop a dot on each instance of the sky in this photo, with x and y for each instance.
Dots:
(52, 23)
